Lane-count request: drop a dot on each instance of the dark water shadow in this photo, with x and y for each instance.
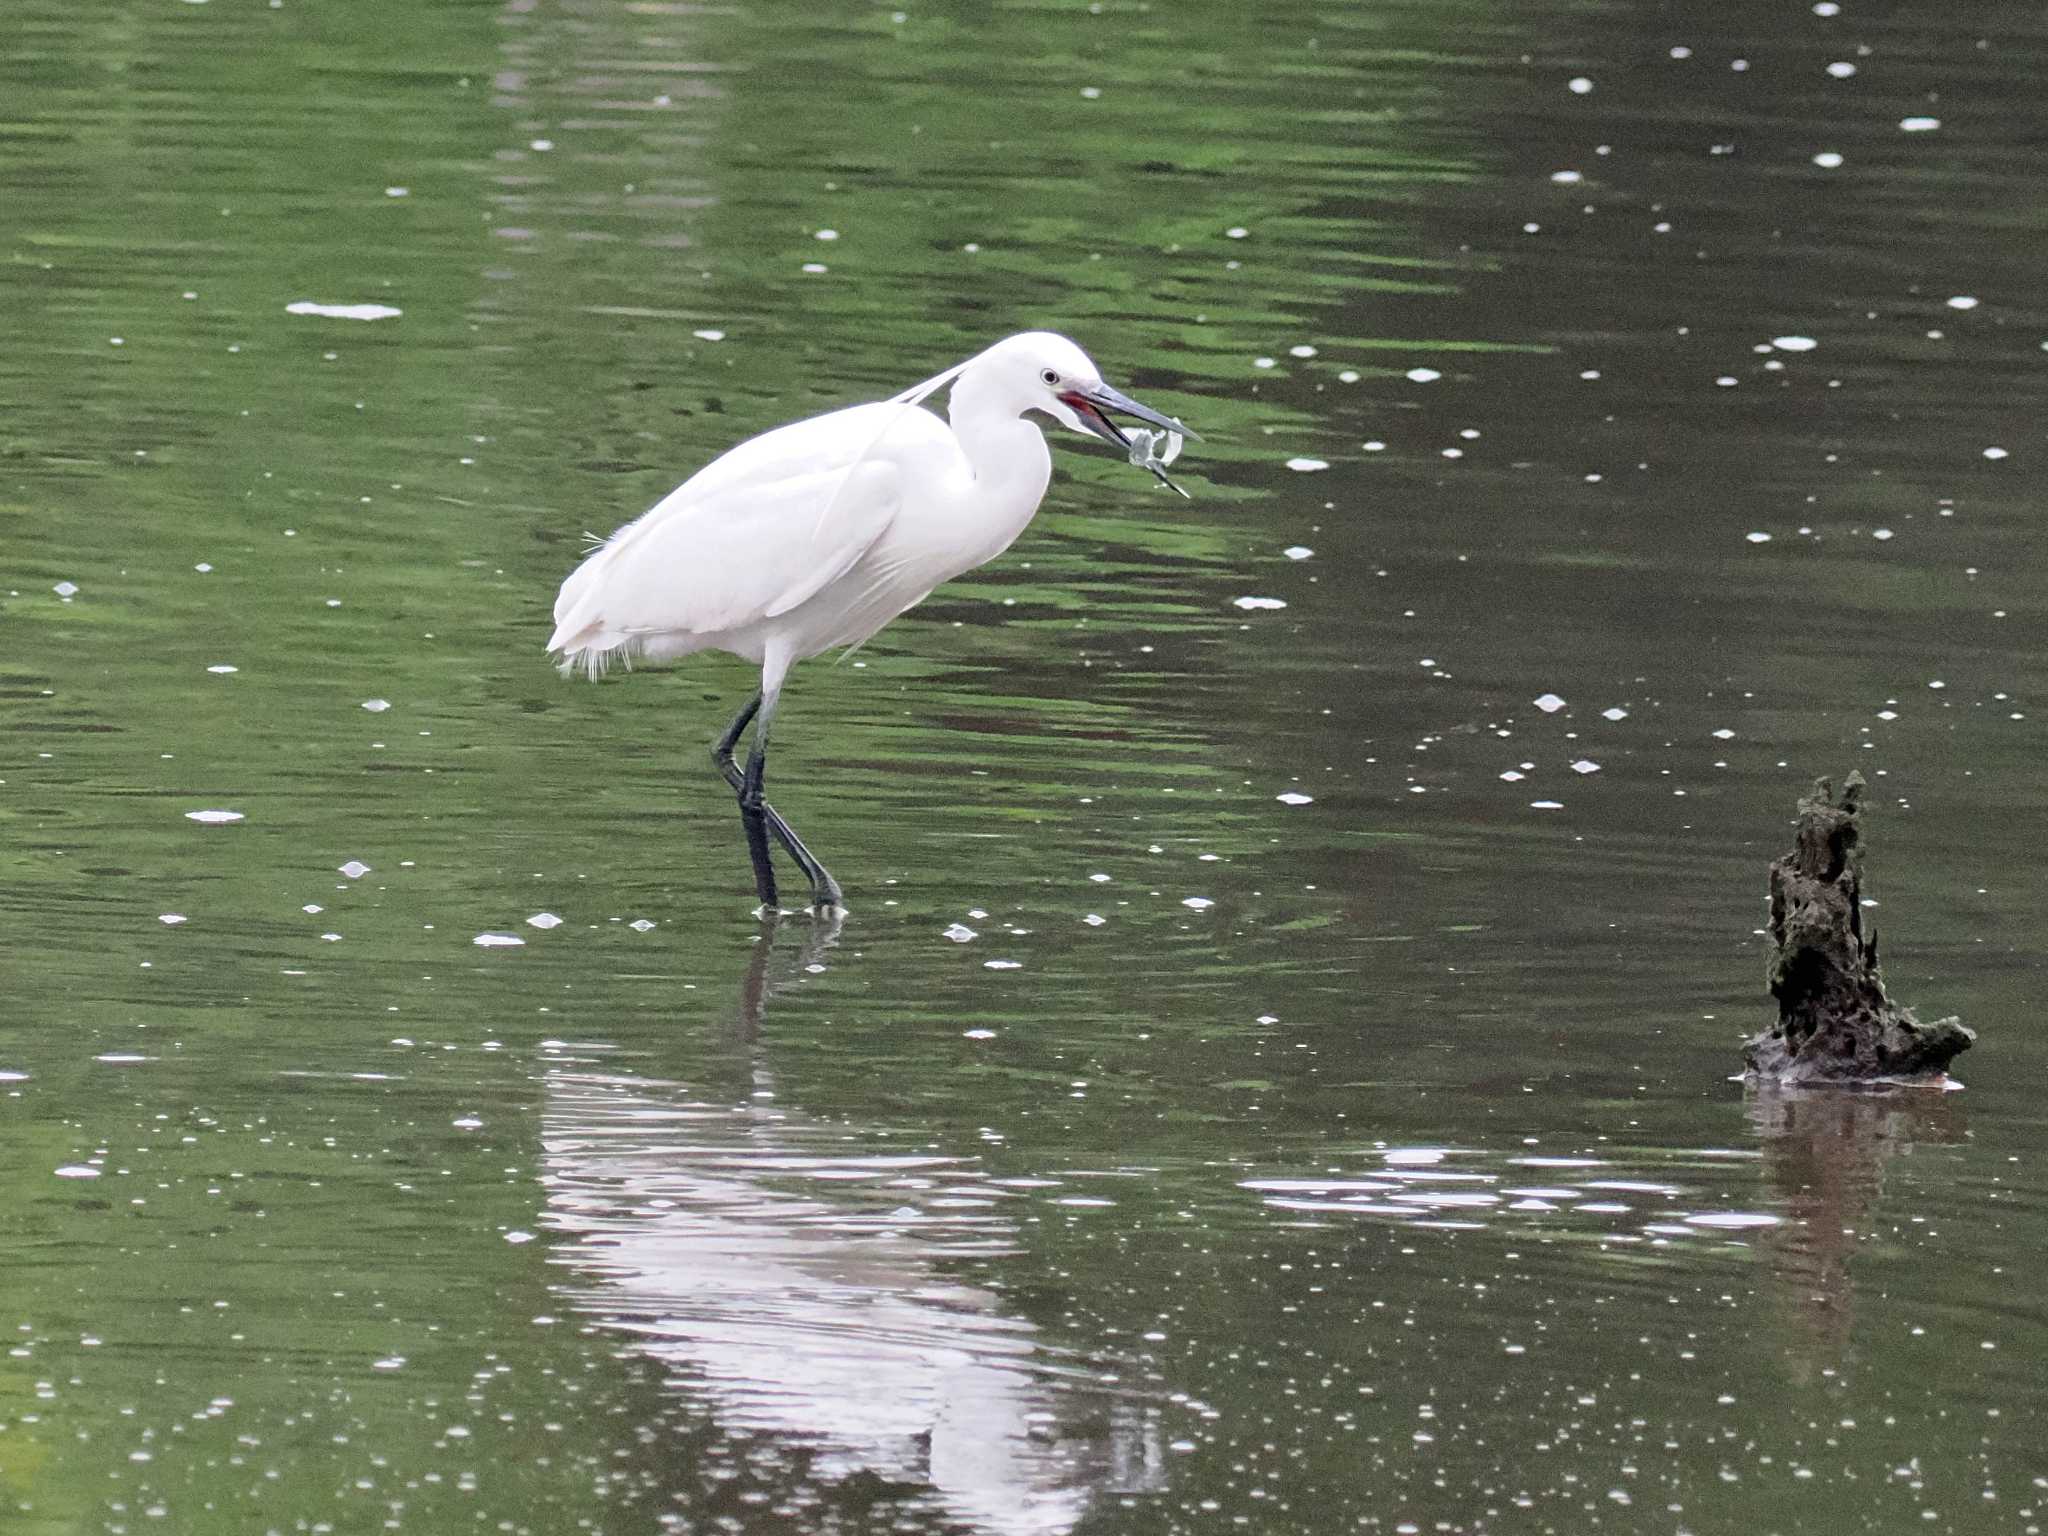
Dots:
(1825, 1154)
(822, 1290)
(770, 971)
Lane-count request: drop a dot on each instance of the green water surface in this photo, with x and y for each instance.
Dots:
(1275, 1075)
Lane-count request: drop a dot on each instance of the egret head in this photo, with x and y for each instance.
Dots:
(1046, 372)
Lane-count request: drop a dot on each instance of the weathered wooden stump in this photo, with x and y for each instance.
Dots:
(1835, 1024)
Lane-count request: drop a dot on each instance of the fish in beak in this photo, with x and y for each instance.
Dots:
(1091, 407)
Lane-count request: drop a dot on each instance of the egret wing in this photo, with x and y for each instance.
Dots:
(738, 543)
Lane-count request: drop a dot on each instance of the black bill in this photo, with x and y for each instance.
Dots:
(1092, 406)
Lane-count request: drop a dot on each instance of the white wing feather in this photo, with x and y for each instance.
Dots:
(751, 536)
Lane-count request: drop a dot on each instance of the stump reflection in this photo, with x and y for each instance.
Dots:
(1825, 1152)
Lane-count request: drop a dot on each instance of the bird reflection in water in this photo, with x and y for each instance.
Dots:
(810, 1287)
(1825, 1151)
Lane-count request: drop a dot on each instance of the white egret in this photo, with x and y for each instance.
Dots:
(816, 534)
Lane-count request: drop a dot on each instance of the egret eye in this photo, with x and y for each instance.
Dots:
(1051, 376)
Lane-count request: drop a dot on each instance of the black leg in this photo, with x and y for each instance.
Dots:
(759, 818)
(752, 817)
(755, 825)
(721, 753)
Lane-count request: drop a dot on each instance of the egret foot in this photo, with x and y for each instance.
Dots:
(827, 900)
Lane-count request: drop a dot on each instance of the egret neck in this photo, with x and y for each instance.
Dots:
(1011, 463)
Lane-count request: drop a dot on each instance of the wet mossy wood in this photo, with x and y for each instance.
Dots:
(1835, 1024)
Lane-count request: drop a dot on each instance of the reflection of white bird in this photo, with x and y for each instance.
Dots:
(818, 533)
(820, 1295)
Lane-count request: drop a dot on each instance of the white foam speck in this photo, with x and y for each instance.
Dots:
(1994, 453)
(1294, 797)
(1424, 375)
(1094, 919)
(222, 669)
(1758, 538)
(518, 1237)
(1546, 805)
(1962, 301)
(1841, 69)
(543, 920)
(77, 1171)
(1585, 765)
(66, 590)
(498, 941)
(1513, 775)
(1251, 603)
(1304, 350)
(1615, 713)
(376, 706)
(1578, 85)
(343, 311)
(1794, 343)
(1237, 232)
(1828, 160)
(355, 869)
(1732, 1219)
(826, 234)
(1724, 734)
(1919, 124)
(1549, 703)
(1003, 965)
(1197, 903)
(709, 335)
(171, 919)
(1297, 551)
(959, 933)
(213, 818)
(1566, 178)
(1307, 466)
(641, 925)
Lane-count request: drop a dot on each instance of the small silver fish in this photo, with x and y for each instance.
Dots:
(1154, 451)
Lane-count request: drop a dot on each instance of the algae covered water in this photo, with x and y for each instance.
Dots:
(1275, 1074)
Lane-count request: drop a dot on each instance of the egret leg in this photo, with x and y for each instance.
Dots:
(760, 819)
